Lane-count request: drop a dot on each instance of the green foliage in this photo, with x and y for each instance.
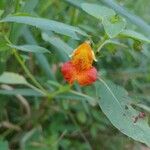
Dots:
(115, 103)
(30, 48)
(100, 12)
(39, 110)
(12, 78)
(3, 145)
(63, 49)
(113, 24)
(22, 91)
(46, 24)
(134, 35)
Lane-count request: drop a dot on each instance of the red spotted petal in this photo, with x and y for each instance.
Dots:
(69, 72)
(80, 68)
(87, 77)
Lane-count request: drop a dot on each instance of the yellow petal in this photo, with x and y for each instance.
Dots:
(83, 56)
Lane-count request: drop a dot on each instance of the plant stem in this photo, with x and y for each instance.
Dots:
(28, 72)
(102, 43)
(88, 98)
(16, 5)
(36, 89)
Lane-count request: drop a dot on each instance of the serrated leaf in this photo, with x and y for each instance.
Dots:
(134, 35)
(97, 11)
(46, 24)
(115, 103)
(30, 48)
(12, 78)
(113, 28)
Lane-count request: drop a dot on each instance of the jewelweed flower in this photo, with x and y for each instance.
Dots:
(80, 68)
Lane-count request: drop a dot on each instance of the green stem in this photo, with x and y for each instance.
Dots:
(41, 89)
(59, 91)
(74, 17)
(102, 43)
(28, 72)
(37, 86)
(17, 5)
(36, 89)
(88, 98)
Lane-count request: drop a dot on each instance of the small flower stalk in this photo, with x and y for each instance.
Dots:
(80, 68)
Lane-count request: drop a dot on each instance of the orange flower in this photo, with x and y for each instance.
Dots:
(80, 68)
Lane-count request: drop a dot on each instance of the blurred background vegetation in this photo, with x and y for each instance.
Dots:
(29, 121)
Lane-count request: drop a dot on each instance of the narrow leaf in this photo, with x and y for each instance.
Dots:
(12, 78)
(76, 3)
(46, 24)
(41, 59)
(97, 11)
(23, 92)
(134, 35)
(30, 48)
(63, 49)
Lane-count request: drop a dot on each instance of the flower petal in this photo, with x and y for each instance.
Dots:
(69, 72)
(87, 77)
(80, 68)
(83, 56)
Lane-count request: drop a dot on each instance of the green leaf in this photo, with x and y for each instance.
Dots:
(4, 145)
(134, 35)
(76, 3)
(41, 59)
(113, 26)
(12, 78)
(111, 42)
(29, 6)
(2, 66)
(1, 12)
(31, 137)
(136, 20)
(63, 49)
(116, 105)
(23, 92)
(97, 11)
(81, 116)
(46, 24)
(30, 48)
(73, 95)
